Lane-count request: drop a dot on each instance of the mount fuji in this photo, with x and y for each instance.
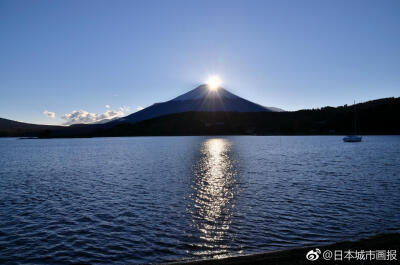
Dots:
(200, 99)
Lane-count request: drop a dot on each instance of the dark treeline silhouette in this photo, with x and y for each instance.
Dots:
(10, 128)
(380, 116)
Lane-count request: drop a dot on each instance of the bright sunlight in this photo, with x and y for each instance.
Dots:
(214, 82)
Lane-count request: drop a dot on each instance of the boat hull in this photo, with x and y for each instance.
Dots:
(352, 139)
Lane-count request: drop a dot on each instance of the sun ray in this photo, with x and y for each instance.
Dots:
(214, 82)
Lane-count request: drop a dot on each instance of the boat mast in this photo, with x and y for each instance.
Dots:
(355, 118)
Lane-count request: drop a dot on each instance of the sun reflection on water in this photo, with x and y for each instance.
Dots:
(212, 197)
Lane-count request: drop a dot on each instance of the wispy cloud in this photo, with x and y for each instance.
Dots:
(83, 116)
(107, 106)
(49, 114)
(139, 108)
(125, 109)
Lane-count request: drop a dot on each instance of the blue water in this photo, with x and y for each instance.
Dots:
(155, 199)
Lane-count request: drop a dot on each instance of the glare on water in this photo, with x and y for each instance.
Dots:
(139, 200)
(213, 194)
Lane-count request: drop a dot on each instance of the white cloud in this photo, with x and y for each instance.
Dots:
(107, 106)
(49, 114)
(83, 116)
(139, 108)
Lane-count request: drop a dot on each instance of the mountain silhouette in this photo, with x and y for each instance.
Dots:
(380, 116)
(200, 99)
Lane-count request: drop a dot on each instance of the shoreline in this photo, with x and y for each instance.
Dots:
(204, 135)
(390, 241)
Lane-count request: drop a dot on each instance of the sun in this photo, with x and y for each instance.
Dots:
(214, 82)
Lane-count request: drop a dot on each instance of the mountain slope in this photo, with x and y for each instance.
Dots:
(200, 99)
(16, 128)
(380, 116)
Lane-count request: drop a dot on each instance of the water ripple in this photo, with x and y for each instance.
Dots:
(146, 200)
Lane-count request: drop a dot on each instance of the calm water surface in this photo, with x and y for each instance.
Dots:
(148, 200)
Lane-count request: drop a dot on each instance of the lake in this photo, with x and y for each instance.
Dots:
(156, 199)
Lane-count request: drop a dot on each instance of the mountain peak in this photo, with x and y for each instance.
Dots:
(203, 91)
(200, 99)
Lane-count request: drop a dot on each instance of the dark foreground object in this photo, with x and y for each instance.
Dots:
(298, 255)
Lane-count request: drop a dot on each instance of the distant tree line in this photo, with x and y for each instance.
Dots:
(380, 116)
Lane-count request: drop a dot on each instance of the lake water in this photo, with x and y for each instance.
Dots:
(155, 199)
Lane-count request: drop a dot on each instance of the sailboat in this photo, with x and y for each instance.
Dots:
(353, 138)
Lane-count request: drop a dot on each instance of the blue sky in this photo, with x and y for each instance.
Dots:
(62, 56)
